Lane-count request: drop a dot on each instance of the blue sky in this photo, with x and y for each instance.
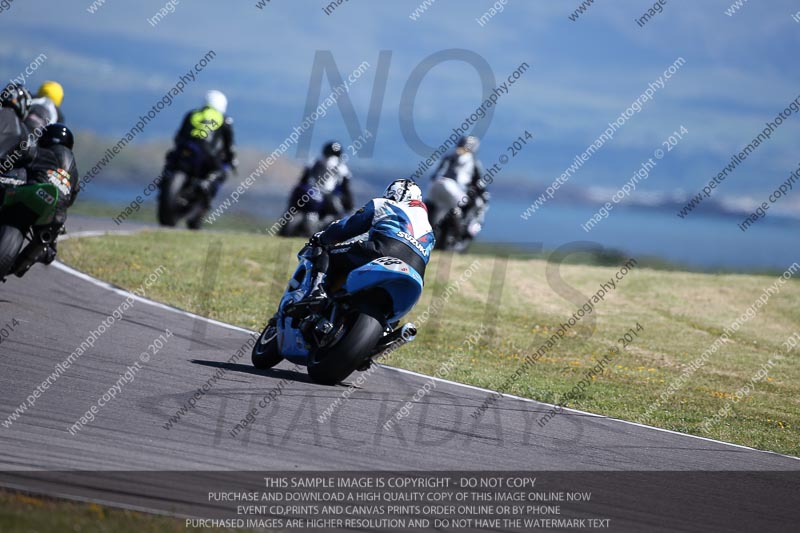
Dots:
(740, 71)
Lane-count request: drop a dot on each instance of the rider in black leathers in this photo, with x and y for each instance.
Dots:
(54, 163)
(17, 146)
(331, 176)
(208, 133)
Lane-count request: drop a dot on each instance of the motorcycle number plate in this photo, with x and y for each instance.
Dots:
(46, 196)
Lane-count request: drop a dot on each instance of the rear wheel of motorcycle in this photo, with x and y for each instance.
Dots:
(450, 233)
(335, 363)
(11, 240)
(265, 351)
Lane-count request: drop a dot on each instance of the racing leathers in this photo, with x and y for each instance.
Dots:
(17, 146)
(206, 139)
(56, 165)
(458, 184)
(43, 113)
(331, 177)
(392, 229)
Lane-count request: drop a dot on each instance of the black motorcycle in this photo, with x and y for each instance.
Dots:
(455, 228)
(183, 192)
(309, 211)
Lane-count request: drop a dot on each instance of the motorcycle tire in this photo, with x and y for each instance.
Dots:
(333, 364)
(443, 235)
(195, 223)
(293, 227)
(11, 240)
(265, 351)
(168, 209)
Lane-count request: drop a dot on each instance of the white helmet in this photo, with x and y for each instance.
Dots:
(403, 190)
(217, 100)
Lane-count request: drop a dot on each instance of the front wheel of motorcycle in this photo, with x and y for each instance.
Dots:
(293, 227)
(11, 240)
(169, 211)
(265, 352)
(331, 365)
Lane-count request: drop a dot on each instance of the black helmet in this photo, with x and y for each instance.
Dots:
(57, 134)
(18, 98)
(469, 143)
(331, 149)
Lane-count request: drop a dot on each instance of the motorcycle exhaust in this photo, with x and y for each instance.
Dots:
(408, 332)
(395, 340)
(46, 236)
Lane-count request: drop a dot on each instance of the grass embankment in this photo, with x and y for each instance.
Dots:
(681, 314)
(22, 513)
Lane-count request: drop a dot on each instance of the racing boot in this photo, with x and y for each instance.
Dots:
(317, 297)
(49, 254)
(313, 302)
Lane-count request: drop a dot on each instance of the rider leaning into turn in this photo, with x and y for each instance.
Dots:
(54, 163)
(210, 133)
(458, 184)
(395, 225)
(15, 150)
(46, 106)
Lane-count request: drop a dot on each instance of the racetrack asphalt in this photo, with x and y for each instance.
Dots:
(56, 308)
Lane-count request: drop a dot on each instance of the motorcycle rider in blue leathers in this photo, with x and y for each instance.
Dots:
(395, 225)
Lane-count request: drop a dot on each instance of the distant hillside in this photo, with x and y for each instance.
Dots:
(141, 162)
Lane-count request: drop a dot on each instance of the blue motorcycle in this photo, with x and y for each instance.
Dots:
(356, 323)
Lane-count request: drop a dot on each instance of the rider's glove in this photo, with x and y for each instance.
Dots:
(205, 185)
(316, 239)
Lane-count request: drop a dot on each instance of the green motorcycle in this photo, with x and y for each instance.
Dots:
(27, 211)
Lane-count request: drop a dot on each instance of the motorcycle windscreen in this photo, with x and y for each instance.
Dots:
(396, 277)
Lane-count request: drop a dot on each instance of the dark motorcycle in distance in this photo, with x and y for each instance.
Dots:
(302, 216)
(181, 191)
(27, 211)
(309, 211)
(454, 228)
(448, 232)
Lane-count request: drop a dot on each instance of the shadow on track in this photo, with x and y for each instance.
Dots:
(277, 373)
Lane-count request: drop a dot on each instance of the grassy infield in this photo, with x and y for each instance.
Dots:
(32, 514)
(681, 314)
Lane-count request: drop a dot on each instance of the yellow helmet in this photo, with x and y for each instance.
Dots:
(52, 90)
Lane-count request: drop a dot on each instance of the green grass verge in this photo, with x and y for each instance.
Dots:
(22, 513)
(682, 315)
